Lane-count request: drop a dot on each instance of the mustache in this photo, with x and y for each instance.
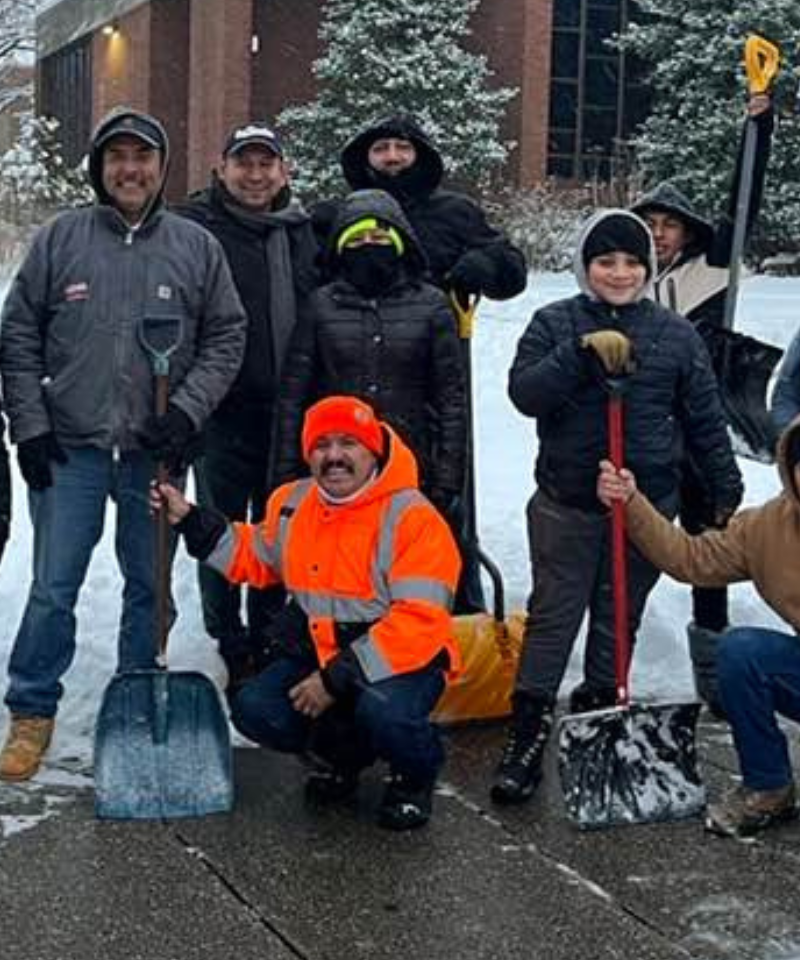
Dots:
(329, 465)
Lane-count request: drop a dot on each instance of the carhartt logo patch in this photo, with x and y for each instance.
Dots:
(76, 291)
(164, 292)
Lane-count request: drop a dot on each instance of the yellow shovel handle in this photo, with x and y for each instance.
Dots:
(465, 316)
(762, 61)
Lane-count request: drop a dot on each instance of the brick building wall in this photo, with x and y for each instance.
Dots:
(220, 79)
(515, 36)
(288, 45)
(168, 96)
(121, 63)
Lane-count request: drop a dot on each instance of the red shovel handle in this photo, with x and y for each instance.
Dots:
(622, 647)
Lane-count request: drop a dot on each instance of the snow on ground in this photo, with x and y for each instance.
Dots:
(505, 449)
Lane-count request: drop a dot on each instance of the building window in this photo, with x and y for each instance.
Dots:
(596, 95)
(65, 92)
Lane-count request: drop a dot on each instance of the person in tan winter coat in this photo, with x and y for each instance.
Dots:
(758, 667)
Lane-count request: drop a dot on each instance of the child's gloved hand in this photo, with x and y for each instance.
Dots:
(613, 349)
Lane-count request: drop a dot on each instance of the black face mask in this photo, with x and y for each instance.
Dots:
(371, 268)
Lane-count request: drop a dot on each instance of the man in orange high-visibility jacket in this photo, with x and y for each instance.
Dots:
(365, 641)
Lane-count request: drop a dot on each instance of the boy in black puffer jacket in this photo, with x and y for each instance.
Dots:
(378, 331)
(559, 376)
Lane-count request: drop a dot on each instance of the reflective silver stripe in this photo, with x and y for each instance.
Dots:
(221, 556)
(384, 553)
(371, 660)
(285, 518)
(344, 609)
(419, 588)
(265, 553)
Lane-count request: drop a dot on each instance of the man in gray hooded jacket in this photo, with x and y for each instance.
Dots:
(99, 290)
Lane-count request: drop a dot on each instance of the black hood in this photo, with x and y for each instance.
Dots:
(383, 207)
(422, 178)
(135, 123)
(666, 198)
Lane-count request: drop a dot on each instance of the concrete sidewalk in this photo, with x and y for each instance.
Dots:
(276, 881)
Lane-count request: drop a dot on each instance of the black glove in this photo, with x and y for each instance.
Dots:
(469, 274)
(613, 349)
(34, 458)
(171, 439)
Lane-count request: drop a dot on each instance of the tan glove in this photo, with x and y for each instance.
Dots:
(613, 349)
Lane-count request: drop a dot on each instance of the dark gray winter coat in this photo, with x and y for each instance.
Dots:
(671, 401)
(399, 352)
(71, 356)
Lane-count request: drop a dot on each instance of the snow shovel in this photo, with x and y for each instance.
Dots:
(465, 316)
(162, 742)
(743, 364)
(630, 763)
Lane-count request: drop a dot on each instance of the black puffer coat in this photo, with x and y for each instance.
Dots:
(671, 402)
(450, 226)
(399, 352)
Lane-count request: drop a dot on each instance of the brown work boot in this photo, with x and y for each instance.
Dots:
(26, 742)
(745, 812)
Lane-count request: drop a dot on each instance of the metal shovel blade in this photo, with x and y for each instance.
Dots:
(162, 748)
(744, 367)
(635, 764)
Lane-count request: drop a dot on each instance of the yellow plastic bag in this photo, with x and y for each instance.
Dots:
(490, 652)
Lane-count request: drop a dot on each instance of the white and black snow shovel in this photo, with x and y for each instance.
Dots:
(744, 365)
(633, 763)
(162, 741)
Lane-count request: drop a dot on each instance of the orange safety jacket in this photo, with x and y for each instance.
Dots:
(386, 558)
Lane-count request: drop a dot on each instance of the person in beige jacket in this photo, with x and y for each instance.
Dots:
(758, 668)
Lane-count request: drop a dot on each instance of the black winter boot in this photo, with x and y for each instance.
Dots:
(703, 645)
(520, 768)
(584, 698)
(328, 786)
(405, 804)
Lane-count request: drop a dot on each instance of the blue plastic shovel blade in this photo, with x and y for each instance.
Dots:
(162, 748)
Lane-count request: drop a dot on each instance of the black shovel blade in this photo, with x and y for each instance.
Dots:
(744, 366)
(634, 764)
(162, 748)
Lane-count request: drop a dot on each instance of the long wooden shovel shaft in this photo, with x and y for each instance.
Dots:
(619, 576)
(162, 533)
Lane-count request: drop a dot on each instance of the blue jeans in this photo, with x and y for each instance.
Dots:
(67, 522)
(387, 720)
(759, 676)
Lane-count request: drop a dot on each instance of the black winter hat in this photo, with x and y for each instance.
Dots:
(622, 232)
(138, 125)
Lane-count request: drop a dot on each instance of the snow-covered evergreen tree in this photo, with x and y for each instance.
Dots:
(35, 181)
(404, 55)
(694, 52)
